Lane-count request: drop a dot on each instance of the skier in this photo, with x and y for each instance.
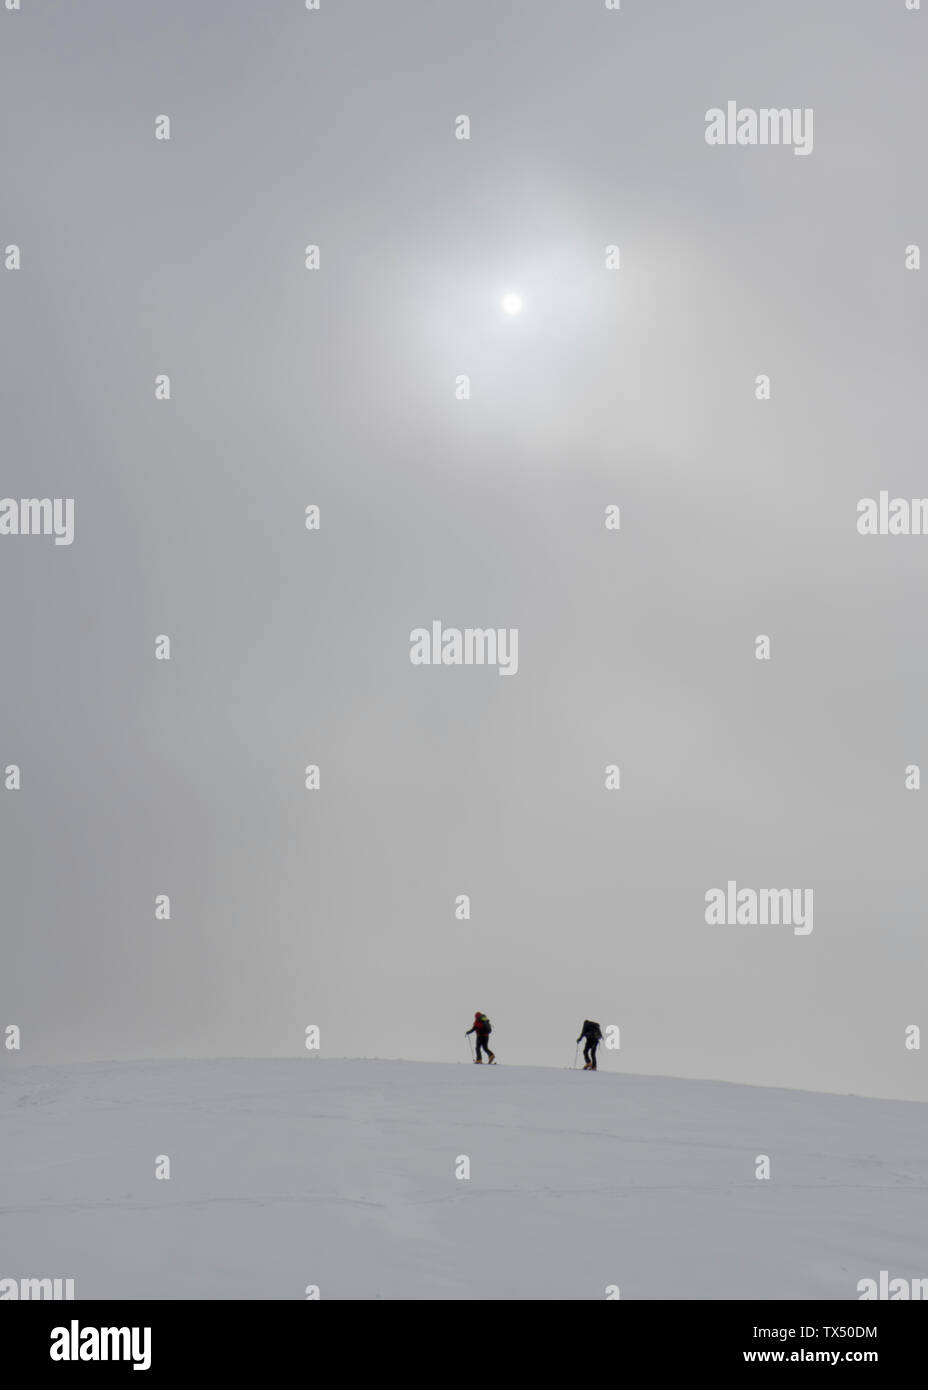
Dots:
(592, 1036)
(483, 1029)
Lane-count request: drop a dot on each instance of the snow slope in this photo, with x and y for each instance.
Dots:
(342, 1174)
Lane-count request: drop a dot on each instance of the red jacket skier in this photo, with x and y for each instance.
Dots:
(483, 1029)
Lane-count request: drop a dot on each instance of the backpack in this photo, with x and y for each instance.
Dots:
(592, 1030)
(487, 1027)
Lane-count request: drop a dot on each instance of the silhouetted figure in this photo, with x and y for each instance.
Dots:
(593, 1036)
(483, 1029)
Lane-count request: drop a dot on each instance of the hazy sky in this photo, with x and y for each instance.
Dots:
(337, 387)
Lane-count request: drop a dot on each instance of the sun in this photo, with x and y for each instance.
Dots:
(512, 303)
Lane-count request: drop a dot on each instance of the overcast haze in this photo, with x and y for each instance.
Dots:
(337, 387)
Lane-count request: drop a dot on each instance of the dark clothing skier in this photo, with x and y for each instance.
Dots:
(592, 1035)
(483, 1029)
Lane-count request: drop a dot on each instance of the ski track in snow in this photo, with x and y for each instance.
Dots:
(342, 1174)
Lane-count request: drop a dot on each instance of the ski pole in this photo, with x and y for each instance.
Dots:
(470, 1049)
(576, 1054)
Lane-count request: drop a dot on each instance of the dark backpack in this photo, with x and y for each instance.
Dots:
(592, 1031)
(485, 1025)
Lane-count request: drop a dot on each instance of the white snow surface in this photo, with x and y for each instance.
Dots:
(341, 1174)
